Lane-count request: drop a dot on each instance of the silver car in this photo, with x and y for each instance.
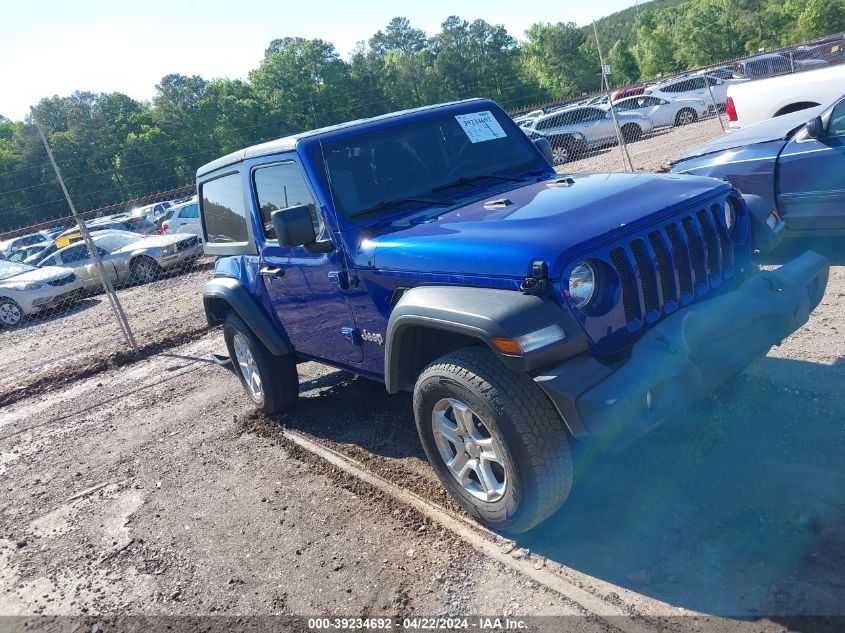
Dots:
(25, 290)
(595, 123)
(128, 257)
(664, 112)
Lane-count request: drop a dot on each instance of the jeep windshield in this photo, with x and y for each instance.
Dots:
(429, 161)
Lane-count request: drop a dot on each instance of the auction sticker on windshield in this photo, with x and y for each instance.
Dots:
(480, 126)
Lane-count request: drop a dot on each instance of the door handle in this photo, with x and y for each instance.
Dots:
(273, 272)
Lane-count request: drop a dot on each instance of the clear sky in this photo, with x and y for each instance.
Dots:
(52, 47)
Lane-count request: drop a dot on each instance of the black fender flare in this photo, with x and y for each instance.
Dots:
(764, 238)
(223, 294)
(480, 314)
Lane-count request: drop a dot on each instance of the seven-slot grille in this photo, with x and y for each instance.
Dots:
(672, 265)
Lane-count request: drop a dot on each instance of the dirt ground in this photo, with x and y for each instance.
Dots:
(154, 489)
(189, 512)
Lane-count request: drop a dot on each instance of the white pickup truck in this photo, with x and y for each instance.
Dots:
(750, 102)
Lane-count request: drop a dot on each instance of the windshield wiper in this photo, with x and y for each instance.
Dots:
(465, 180)
(392, 203)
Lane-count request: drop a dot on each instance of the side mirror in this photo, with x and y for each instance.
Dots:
(545, 148)
(293, 226)
(816, 128)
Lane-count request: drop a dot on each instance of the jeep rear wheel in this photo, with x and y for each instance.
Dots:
(271, 382)
(493, 438)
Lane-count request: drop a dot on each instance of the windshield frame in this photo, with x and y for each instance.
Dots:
(313, 147)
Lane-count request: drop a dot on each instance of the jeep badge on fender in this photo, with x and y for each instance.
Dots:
(523, 313)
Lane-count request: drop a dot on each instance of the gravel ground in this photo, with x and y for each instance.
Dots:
(649, 153)
(190, 511)
(735, 508)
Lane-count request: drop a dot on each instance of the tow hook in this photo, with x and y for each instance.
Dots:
(538, 282)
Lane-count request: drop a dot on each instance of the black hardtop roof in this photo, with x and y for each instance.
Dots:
(288, 143)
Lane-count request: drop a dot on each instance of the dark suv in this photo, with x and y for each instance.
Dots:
(436, 250)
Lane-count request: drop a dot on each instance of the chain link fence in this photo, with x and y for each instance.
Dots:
(55, 314)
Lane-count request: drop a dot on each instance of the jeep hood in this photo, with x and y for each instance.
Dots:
(552, 220)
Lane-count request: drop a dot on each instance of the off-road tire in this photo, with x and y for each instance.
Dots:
(686, 116)
(515, 411)
(279, 378)
(145, 270)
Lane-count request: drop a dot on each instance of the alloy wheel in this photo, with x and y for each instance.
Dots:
(471, 454)
(247, 366)
(10, 314)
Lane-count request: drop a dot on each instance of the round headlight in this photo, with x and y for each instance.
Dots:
(730, 214)
(582, 284)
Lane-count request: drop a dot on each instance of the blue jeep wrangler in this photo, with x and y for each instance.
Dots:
(438, 251)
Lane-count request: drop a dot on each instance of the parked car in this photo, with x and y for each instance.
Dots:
(772, 64)
(150, 211)
(185, 218)
(10, 245)
(594, 123)
(128, 257)
(792, 167)
(438, 251)
(751, 102)
(663, 112)
(25, 290)
(119, 222)
(566, 146)
(721, 72)
(34, 250)
(631, 91)
(694, 87)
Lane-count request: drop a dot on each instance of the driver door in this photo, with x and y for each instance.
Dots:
(811, 178)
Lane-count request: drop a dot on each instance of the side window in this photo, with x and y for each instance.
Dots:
(836, 127)
(593, 114)
(544, 124)
(224, 211)
(191, 211)
(76, 254)
(280, 187)
(697, 84)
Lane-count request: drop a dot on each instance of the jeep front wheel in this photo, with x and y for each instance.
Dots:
(493, 438)
(270, 381)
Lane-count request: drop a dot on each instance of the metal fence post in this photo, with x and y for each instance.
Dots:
(713, 101)
(98, 262)
(629, 165)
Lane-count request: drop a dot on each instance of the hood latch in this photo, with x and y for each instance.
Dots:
(538, 282)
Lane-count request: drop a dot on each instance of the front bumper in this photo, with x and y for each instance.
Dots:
(687, 355)
(181, 258)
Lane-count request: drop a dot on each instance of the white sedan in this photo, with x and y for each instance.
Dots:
(664, 112)
(25, 290)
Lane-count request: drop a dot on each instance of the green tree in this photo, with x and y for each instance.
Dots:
(303, 83)
(821, 17)
(623, 65)
(655, 49)
(556, 57)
